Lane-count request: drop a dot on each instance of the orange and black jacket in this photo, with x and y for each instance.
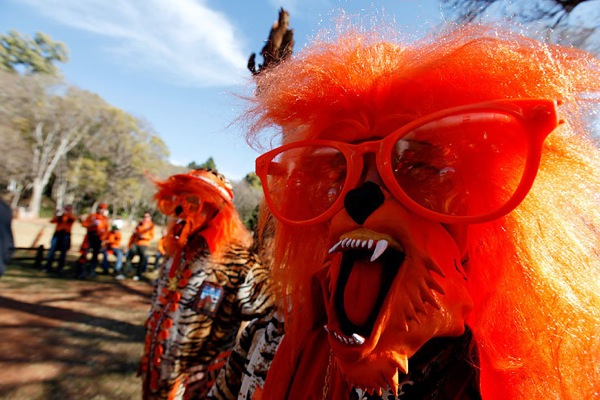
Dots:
(64, 222)
(96, 224)
(113, 240)
(143, 234)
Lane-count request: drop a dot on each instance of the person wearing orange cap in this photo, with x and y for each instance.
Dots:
(61, 240)
(97, 229)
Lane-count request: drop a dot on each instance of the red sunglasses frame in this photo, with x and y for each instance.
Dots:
(538, 116)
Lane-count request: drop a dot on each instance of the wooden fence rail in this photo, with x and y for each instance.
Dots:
(30, 253)
(38, 255)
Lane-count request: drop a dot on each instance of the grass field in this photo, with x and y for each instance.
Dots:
(63, 339)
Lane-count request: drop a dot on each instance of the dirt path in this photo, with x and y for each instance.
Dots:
(67, 339)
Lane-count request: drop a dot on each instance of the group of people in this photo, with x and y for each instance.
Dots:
(434, 226)
(103, 236)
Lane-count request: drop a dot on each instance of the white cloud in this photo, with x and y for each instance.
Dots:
(184, 40)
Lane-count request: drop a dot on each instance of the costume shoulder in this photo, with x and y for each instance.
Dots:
(247, 367)
(256, 295)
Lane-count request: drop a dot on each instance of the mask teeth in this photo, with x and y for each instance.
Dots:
(378, 246)
(354, 340)
(358, 339)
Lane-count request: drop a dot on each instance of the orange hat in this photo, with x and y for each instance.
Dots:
(103, 206)
(216, 181)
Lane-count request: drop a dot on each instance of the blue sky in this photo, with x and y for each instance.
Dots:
(178, 63)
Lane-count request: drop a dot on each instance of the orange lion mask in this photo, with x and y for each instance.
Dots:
(434, 195)
(198, 199)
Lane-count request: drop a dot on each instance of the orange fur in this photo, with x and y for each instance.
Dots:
(534, 274)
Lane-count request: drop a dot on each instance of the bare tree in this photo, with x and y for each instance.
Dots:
(14, 162)
(54, 133)
(565, 21)
(51, 118)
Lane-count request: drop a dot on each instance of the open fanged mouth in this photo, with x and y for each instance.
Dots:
(178, 227)
(367, 270)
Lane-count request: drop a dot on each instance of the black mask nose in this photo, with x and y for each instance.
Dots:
(363, 201)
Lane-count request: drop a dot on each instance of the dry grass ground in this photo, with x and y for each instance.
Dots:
(63, 338)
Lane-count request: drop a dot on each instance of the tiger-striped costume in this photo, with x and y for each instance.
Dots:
(195, 338)
(248, 365)
(211, 282)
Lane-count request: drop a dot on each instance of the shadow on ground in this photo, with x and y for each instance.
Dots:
(70, 339)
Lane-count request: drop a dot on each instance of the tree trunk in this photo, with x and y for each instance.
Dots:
(37, 189)
(16, 190)
(59, 190)
(46, 155)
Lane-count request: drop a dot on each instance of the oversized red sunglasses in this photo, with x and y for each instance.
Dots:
(467, 164)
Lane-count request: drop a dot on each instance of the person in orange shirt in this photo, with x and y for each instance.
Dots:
(112, 245)
(97, 230)
(61, 240)
(138, 245)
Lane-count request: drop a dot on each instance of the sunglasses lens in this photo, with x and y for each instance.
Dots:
(462, 165)
(304, 182)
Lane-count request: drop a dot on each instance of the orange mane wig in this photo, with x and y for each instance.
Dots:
(193, 192)
(534, 274)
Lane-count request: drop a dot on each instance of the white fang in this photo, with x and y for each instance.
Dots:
(379, 249)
